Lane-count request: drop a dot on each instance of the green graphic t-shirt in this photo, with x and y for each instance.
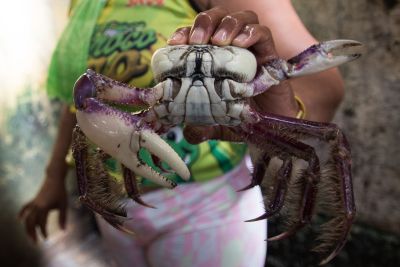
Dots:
(126, 34)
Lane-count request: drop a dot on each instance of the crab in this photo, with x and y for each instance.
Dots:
(210, 85)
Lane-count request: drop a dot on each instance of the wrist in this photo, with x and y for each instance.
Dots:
(56, 170)
(279, 100)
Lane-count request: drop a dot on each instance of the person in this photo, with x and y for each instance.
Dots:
(200, 223)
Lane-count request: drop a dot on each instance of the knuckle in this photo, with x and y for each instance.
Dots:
(182, 29)
(265, 30)
(203, 14)
(202, 17)
(230, 19)
(219, 9)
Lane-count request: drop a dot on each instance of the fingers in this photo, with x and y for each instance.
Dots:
(205, 24)
(232, 25)
(34, 216)
(42, 221)
(259, 39)
(30, 223)
(180, 36)
(219, 27)
(24, 209)
(203, 28)
(62, 217)
(198, 134)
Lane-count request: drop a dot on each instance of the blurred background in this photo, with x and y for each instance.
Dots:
(370, 116)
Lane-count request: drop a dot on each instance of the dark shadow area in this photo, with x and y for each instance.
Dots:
(367, 247)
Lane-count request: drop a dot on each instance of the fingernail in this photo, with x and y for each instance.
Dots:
(197, 36)
(220, 36)
(176, 37)
(241, 38)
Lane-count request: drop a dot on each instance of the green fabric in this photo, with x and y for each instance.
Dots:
(118, 40)
(73, 45)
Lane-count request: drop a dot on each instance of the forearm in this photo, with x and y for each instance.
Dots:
(61, 146)
(322, 92)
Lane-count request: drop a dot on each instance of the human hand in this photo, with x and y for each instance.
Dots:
(52, 196)
(220, 27)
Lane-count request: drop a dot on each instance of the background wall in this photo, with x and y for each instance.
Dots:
(28, 33)
(369, 115)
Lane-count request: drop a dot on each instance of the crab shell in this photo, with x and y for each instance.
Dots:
(179, 61)
(208, 85)
(199, 83)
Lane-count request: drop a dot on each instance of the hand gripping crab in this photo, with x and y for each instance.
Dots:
(209, 85)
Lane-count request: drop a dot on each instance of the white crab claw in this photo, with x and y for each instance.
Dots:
(158, 147)
(324, 56)
(118, 136)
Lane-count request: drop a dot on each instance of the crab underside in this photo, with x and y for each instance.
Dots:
(208, 85)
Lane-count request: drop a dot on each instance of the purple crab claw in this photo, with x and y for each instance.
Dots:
(316, 58)
(84, 89)
(122, 134)
(324, 56)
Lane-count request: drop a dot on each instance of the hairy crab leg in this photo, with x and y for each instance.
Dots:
(110, 212)
(132, 188)
(122, 134)
(284, 147)
(341, 156)
(260, 167)
(278, 199)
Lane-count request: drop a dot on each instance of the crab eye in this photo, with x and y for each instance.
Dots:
(175, 134)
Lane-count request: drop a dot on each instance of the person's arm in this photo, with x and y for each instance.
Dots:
(52, 194)
(62, 143)
(270, 29)
(321, 92)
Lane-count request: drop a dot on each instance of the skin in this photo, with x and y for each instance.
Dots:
(270, 29)
(53, 193)
(284, 37)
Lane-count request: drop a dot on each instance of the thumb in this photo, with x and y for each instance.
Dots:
(198, 134)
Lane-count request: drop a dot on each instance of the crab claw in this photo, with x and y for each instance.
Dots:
(323, 56)
(122, 134)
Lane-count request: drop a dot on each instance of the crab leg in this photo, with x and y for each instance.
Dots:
(283, 147)
(122, 134)
(132, 188)
(260, 167)
(110, 210)
(341, 162)
(278, 199)
(314, 59)
(95, 85)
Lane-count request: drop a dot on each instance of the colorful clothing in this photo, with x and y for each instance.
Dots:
(194, 225)
(125, 35)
